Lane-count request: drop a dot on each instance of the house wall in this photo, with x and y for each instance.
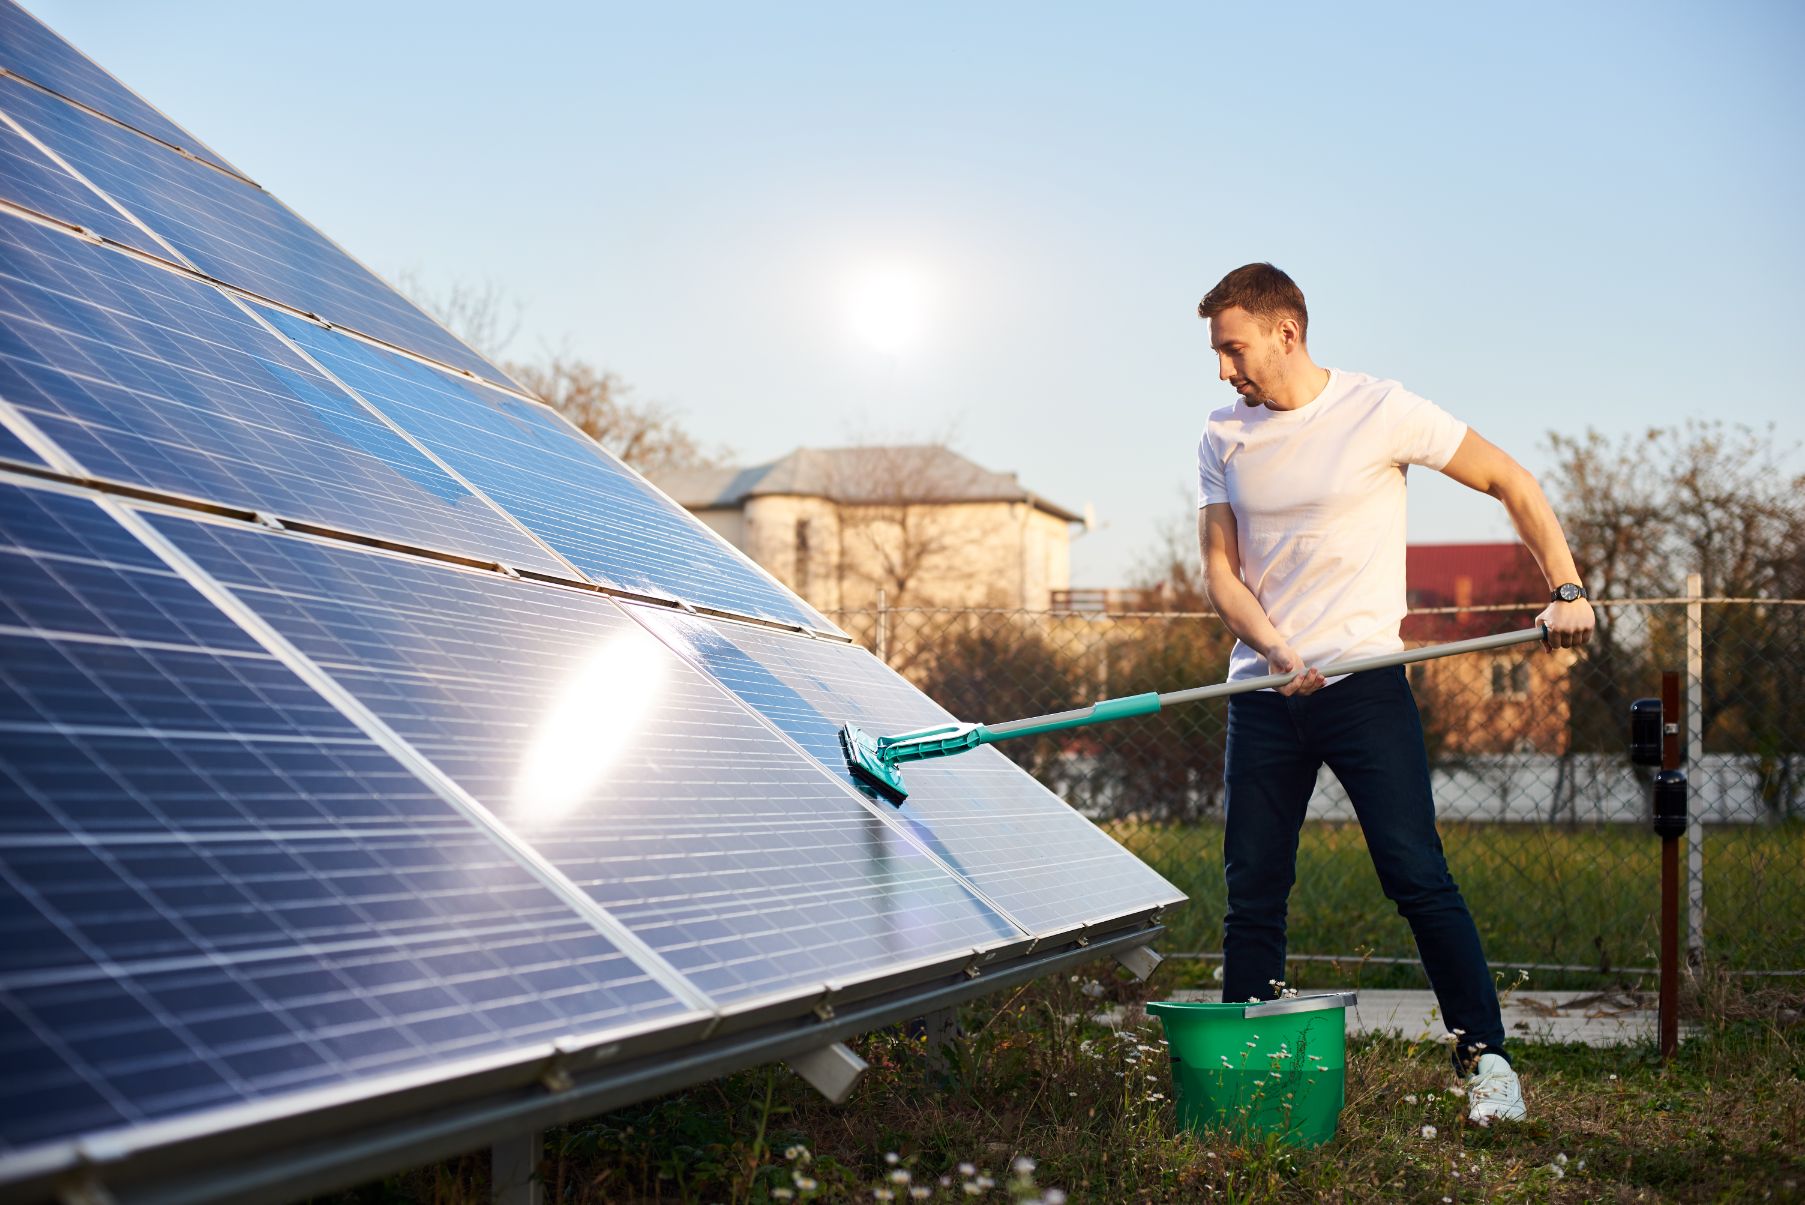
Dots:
(965, 554)
(728, 522)
(1513, 700)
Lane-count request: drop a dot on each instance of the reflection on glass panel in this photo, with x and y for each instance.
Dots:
(1042, 862)
(709, 836)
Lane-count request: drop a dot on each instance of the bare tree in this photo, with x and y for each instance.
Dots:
(890, 506)
(1169, 572)
(1704, 498)
(480, 315)
(646, 435)
(1708, 499)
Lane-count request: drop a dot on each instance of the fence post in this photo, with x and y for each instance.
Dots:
(883, 628)
(1695, 755)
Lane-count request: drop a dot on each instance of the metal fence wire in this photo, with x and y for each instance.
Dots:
(1545, 820)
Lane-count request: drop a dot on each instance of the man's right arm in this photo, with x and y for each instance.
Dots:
(1235, 603)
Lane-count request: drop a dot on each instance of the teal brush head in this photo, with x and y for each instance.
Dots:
(868, 765)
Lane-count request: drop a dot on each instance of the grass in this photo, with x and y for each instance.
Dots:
(1540, 894)
(1039, 1101)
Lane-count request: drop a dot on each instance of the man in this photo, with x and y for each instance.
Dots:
(1301, 522)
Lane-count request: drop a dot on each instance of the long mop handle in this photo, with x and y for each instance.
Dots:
(1149, 703)
(875, 760)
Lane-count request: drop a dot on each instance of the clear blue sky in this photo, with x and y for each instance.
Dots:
(1541, 216)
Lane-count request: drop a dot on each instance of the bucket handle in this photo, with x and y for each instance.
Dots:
(1301, 1004)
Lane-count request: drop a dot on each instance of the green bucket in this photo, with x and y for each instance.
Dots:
(1277, 1067)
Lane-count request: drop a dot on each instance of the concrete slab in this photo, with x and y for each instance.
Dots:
(1611, 1018)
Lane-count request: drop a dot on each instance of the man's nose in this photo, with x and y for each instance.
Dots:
(1227, 369)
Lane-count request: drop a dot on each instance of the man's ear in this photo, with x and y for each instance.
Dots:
(1291, 335)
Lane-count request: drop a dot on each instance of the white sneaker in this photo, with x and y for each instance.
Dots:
(1494, 1093)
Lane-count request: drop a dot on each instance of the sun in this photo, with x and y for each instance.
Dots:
(888, 307)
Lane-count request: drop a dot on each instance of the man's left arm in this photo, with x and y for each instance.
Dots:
(1482, 465)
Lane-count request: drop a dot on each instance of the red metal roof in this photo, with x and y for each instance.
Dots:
(1463, 575)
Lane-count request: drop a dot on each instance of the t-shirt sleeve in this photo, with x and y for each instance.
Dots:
(1211, 487)
(1422, 432)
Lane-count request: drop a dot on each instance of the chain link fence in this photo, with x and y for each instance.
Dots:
(1545, 820)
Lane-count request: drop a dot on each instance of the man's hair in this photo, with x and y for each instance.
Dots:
(1263, 291)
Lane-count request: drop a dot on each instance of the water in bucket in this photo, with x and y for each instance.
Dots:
(1277, 1067)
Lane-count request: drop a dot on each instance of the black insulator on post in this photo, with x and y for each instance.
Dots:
(1670, 803)
(1645, 732)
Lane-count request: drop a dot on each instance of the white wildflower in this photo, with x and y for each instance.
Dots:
(1429, 1131)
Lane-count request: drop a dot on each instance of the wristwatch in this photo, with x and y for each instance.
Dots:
(1571, 592)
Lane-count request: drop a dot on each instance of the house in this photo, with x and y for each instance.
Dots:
(921, 523)
(1515, 699)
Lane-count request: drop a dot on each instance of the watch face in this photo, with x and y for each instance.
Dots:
(1569, 593)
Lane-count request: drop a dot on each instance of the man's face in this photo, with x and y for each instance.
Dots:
(1247, 353)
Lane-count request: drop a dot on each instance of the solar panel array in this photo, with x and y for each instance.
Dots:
(362, 722)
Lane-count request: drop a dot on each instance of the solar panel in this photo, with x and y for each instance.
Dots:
(143, 375)
(215, 888)
(317, 850)
(33, 51)
(707, 834)
(1042, 862)
(31, 179)
(232, 230)
(600, 515)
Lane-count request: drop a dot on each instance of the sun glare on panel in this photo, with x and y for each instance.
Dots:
(598, 711)
(888, 307)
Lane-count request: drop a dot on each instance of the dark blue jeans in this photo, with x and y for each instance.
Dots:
(1366, 729)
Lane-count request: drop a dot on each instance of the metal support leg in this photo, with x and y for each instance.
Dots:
(833, 1071)
(1141, 961)
(938, 1029)
(514, 1170)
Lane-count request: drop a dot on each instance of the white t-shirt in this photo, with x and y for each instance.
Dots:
(1318, 496)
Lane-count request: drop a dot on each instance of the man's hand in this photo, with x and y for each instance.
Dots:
(1282, 659)
(1569, 624)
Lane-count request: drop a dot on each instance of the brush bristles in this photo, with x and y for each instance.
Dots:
(868, 765)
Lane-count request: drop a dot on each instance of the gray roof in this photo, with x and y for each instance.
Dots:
(913, 473)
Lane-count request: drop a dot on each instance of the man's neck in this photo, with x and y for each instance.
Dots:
(1300, 388)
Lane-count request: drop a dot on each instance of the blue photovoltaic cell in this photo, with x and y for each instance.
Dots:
(1042, 862)
(557, 481)
(146, 376)
(36, 53)
(232, 230)
(705, 833)
(28, 178)
(213, 888)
